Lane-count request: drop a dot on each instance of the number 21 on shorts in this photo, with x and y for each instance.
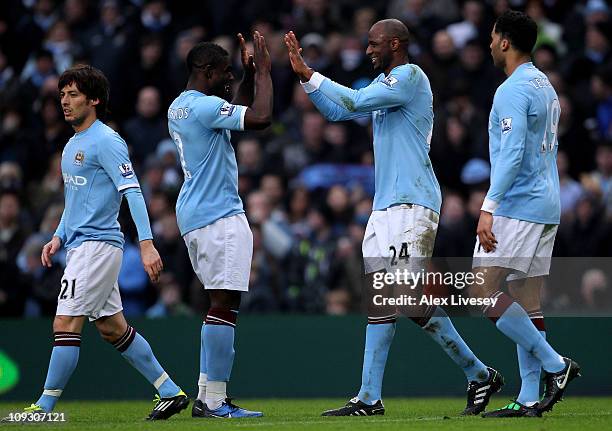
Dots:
(67, 289)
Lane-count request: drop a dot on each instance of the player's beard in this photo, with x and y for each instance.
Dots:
(382, 63)
(498, 59)
(499, 62)
(228, 91)
(224, 91)
(77, 121)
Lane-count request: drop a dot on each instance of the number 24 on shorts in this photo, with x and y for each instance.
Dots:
(403, 254)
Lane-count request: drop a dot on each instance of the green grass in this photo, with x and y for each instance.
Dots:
(402, 414)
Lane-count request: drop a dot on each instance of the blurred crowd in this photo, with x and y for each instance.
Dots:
(306, 184)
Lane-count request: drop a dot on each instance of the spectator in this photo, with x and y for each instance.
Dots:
(272, 186)
(150, 71)
(299, 202)
(548, 32)
(77, 14)
(39, 68)
(263, 283)
(318, 16)
(12, 232)
(599, 182)
(59, 43)
(574, 139)
(276, 237)
(545, 57)
(312, 149)
(133, 281)
(144, 131)
(570, 189)
(442, 59)
(306, 241)
(109, 45)
(481, 78)
(337, 302)
(468, 29)
(309, 270)
(601, 87)
(170, 302)
(582, 236)
(177, 72)
(9, 82)
(172, 250)
(45, 281)
(156, 19)
(340, 211)
(594, 289)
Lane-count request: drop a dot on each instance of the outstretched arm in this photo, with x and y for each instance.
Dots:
(378, 95)
(330, 110)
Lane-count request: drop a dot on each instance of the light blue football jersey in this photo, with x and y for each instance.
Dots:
(401, 107)
(96, 168)
(200, 127)
(523, 148)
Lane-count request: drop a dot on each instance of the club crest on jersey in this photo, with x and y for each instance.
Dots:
(126, 170)
(390, 81)
(227, 109)
(506, 125)
(79, 157)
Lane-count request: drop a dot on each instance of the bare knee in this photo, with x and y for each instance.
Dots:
(527, 292)
(68, 324)
(377, 295)
(225, 299)
(487, 281)
(111, 328)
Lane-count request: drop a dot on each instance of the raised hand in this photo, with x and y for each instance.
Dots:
(298, 64)
(261, 55)
(247, 59)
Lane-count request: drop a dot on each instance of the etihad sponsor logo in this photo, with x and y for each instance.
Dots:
(74, 180)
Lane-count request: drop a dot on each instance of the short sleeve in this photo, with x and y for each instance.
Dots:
(114, 159)
(216, 113)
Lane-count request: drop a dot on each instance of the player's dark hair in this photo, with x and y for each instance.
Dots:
(519, 29)
(205, 54)
(91, 82)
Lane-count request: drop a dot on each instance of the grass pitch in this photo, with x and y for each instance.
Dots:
(304, 414)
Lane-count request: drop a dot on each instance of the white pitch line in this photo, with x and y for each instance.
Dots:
(373, 419)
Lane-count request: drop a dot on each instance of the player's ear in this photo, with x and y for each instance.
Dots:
(94, 102)
(395, 43)
(504, 44)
